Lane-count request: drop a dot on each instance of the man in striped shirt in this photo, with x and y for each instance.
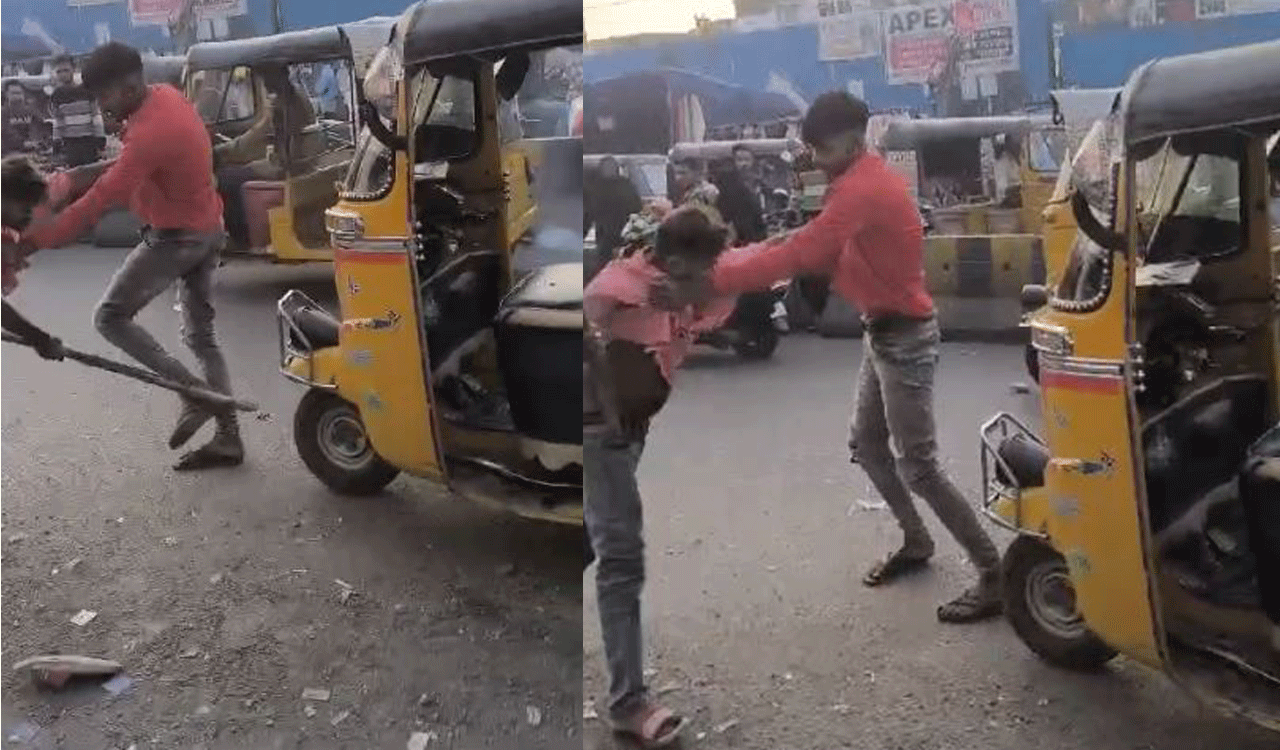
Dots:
(77, 127)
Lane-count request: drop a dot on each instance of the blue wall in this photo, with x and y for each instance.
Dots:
(74, 28)
(1105, 56)
(1101, 56)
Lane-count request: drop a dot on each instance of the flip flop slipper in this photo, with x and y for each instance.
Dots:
(893, 567)
(651, 726)
(202, 458)
(970, 607)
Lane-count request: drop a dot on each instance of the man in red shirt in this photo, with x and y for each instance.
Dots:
(869, 240)
(165, 174)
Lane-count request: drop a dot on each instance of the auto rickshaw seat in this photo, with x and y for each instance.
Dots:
(320, 328)
(1201, 442)
(1260, 496)
(538, 330)
(1026, 458)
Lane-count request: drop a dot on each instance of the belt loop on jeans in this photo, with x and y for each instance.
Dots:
(892, 322)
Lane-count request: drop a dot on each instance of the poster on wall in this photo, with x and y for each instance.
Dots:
(918, 38)
(847, 30)
(159, 12)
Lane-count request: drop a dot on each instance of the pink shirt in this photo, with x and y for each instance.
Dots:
(164, 173)
(868, 239)
(617, 300)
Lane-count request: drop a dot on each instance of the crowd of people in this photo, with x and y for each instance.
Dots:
(65, 122)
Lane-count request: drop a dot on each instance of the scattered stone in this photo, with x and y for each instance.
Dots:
(315, 694)
(17, 537)
(842, 708)
(649, 674)
(420, 740)
(24, 732)
(189, 653)
(216, 578)
(533, 715)
(204, 710)
(701, 736)
(309, 710)
(426, 699)
(336, 720)
(726, 726)
(171, 541)
(346, 590)
(72, 564)
(508, 569)
(589, 711)
(118, 684)
(871, 505)
(1042, 702)
(670, 687)
(83, 617)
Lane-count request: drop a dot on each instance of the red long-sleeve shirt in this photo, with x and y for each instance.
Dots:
(164, 173)
(868, 239)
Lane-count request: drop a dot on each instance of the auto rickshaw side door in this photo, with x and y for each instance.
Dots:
(1097, 516)
(384, 359)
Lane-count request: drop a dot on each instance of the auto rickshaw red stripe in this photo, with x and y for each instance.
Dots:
(371, 257)
(1091, 382)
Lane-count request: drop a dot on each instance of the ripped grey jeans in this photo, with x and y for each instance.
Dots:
(163, 258)
(894, 415)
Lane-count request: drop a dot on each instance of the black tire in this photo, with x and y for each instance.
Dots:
(759, 344)
(352, 469)
(1033, 363)
(1031, 570)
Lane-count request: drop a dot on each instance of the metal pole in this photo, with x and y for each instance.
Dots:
(277, 17)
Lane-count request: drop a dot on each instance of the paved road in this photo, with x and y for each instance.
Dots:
(754, 607)
(218, 591)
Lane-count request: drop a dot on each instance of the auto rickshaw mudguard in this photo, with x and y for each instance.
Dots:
(319, 369)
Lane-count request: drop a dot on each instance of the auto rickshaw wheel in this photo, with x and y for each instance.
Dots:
(759, 344)
(1040, 604)
(1033, 363)
(332, 442)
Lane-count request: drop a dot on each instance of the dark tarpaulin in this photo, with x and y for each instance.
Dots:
(1233, 87)
(630, 103)
(19, 47)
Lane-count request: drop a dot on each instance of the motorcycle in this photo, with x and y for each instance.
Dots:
(756, 325)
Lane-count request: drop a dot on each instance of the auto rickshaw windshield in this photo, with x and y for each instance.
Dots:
(385, 71)
(1094, 167)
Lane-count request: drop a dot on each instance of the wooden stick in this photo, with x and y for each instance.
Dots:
(146, 376)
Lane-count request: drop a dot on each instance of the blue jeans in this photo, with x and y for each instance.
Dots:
(615, 524)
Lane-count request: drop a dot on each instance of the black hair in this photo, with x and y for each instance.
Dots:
(689, 233)
(740, 147)
(10, 84)
(831, 114)
(109, 64)
(21, 182)
(68, 59)
(688, 162)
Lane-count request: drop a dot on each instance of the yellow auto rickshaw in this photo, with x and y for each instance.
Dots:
(1147, 510)
(447, 361)
(283, 205)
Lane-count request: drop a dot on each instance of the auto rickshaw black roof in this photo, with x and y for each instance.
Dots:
(725, 149)
(1238, 87)
(907, 135)
(490, 29)
(309, 45)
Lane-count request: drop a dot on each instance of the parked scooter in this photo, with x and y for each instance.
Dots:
(758, 321)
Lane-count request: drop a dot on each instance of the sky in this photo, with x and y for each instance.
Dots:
(606, 18)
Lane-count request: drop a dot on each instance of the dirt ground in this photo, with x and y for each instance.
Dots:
(227, 595)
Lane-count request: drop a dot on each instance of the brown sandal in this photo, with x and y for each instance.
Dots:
(893, 567)
(651, 726)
